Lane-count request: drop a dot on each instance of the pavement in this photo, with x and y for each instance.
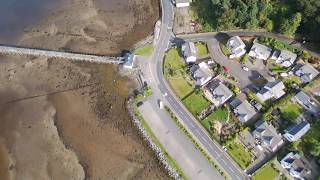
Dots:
(177, 144)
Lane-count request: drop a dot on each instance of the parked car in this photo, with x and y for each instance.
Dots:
(224, 148)
(245, 68)
(161, 105)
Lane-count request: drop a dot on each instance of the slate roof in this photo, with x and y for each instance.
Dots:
(286, 58)
(268, 135)
(201, 73)
(297, 166)
(244, 111)
(306, 73)
(273, 89)
(306, 102)
(295, 132)
(260, 51)
(235, 44)
(218, 93)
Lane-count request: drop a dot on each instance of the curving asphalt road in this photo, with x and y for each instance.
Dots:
(163, 92)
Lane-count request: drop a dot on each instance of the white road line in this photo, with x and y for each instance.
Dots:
(238, 177)
(231, 169)
(224, 162)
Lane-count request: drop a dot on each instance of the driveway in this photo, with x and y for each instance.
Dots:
(191, 161)
(235, 68)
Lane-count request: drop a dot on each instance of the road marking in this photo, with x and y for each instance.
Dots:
(224, 162)
(231, 169)
(238, 177)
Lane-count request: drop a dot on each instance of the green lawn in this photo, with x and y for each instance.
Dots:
(180, 86)
(239, 153)
(224, 49)
(174, 70)
(196, 103)
(173, 60)
(145, 50)
(220, 114)
(202, 50)
(290, 111)
(266, 173)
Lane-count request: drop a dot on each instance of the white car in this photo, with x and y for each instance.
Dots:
(224, 148)
(245, 68)
(161, 105)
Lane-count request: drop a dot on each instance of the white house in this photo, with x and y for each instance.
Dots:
(129, 61)
(306, 72)
(273, 89)
(182, 3)
(295, 132)
(284, 58)
(236, 47)
(260, 51)
(201, 73)
(189, 52)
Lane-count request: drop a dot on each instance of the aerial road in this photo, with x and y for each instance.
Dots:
(163, 92)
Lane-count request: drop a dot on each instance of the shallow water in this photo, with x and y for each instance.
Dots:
(16, 15)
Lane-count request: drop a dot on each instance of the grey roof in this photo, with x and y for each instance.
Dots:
(296, 164)
(260, 51)
(268, 135)
(234, 43)
(306, 72)
(305, 101)
(219, 92)
(189, 49)
(286, 58)
(296, 131)
(201, 72)
(271, 89)
(129, 60)
(244, 111)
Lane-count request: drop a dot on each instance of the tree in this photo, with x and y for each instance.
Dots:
(289, 26)
(268, 25)
(226, 20)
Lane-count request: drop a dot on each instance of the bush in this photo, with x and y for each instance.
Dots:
(244, 59)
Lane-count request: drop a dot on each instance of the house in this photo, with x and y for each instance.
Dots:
(182, 3)
(189, 52)
(267, 136)
(236, 47)
(201, 73)
(295, 132)
(217, 93)
(259, 51)
(284, 58)
(306, 72)
(244, 111)
(273, 89)
(129, 62)
(307, 103)
(296, 165)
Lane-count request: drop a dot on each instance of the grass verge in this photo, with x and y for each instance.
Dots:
(195, 143)
(146, 50)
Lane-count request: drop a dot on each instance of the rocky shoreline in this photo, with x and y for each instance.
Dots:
(159, 153)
